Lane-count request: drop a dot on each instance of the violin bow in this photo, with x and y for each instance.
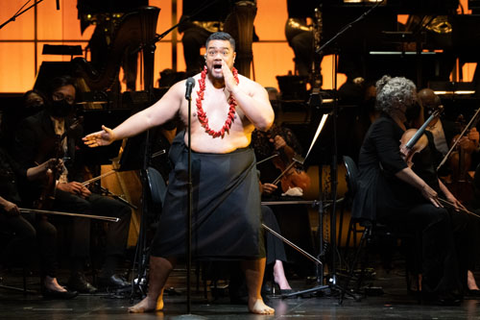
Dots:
(460, 208)
(286, 169)
(458, 140)
(268, 158)
(71, 214)
(87, 182)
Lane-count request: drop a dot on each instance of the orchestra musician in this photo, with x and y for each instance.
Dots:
(27, 229)
(282, 141)
(440, 133)
(32, 102)
(35, 141)
(443, 131)
(462, 223)
(275, 251)
(225, 184)
(390, 192)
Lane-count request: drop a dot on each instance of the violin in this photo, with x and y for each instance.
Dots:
(460, 161)
(414, 141)
(47, 195)
(292, 175)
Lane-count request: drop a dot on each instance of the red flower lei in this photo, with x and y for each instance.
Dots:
(202, 116)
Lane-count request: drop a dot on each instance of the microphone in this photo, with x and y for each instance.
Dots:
(58, 4)
(190, 85)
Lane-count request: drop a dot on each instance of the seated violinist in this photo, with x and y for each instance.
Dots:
(38, 138)
(26, 229)
(426, 167)
(281, 145)
(445, 132)
(390, 192)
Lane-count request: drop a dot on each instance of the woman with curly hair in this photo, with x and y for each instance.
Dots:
(390, 192)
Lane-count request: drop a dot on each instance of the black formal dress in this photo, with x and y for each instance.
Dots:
(382, 197)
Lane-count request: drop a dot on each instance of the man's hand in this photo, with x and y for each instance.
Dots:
(230, 82)
(75, 188)
(100, 138)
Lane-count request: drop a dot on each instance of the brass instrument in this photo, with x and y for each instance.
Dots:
(134, 29)
(239, 24)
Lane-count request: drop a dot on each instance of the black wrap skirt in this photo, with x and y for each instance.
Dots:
(226, 219)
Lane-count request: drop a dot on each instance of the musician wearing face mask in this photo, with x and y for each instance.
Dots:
(53, 133)
(390, 192)
(27, 231)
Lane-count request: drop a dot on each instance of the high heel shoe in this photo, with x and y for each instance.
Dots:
(63, 295)
(473, 293)
(282, 292)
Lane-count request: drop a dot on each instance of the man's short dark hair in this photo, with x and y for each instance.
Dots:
(221, 36)
(59, 82)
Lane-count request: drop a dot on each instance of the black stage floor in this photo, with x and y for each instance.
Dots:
(394, 303)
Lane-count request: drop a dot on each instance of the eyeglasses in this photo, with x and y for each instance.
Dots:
(57, 96)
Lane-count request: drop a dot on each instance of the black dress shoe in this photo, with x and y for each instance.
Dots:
(473, 293)
(53, 294)
(79, 283)
(113, 281)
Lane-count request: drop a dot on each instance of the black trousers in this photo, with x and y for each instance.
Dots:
(18, 237)
(442, 273)
(117, 233)
(273, 245)
(24, 231)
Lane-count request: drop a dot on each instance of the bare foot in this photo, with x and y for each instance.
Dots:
(259, 307)
(146, 305)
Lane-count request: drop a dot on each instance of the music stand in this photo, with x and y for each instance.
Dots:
(332, 283)
(136, 157)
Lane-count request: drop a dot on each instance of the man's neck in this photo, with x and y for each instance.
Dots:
(217, 83)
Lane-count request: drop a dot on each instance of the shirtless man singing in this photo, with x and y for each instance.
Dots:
(226, 207)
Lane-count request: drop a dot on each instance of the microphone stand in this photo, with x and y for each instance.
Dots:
(188, 96)
(19, 13)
